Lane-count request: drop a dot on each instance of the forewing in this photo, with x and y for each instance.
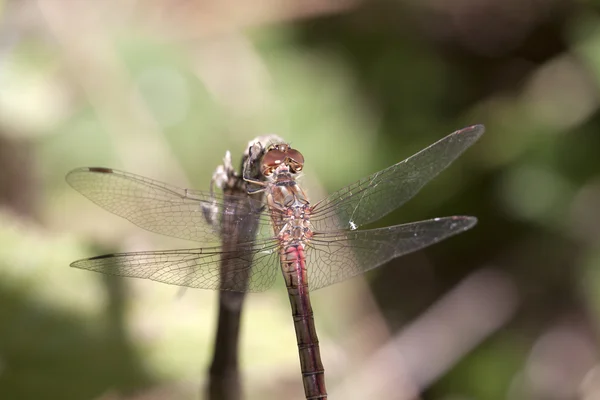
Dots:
(165, 209)
(252, 268)
(377, 195)
(334, 257)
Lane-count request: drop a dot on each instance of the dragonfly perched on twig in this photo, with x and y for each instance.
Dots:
(316, 245)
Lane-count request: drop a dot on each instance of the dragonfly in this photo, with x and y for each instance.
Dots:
(315, 244)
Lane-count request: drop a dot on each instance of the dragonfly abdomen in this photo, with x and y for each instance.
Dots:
(294, 273)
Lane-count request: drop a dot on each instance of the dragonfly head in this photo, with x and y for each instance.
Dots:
(281, 158)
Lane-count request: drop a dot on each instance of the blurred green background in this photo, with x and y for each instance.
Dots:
(162, 89)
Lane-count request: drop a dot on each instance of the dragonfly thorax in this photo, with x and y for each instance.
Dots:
(290, 211)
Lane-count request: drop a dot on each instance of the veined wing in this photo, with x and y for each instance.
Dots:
(165, 209)
(337, 256)
(252, 267)
(379, 194)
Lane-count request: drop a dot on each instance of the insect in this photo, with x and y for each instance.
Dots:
(315, 244)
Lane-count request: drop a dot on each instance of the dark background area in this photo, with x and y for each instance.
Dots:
(508, 310)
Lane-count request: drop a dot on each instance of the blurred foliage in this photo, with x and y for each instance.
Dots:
(164, 90)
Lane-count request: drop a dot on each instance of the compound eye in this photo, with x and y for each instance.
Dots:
(295, 160)
(271, 160)
(296, 156)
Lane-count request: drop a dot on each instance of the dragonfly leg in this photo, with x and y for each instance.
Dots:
(255, 151)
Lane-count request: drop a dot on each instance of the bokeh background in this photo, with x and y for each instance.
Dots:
(508, 310)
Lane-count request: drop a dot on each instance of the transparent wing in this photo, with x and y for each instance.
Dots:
(334, 257)
(252, 268)
(168, 210)
(377, 195)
